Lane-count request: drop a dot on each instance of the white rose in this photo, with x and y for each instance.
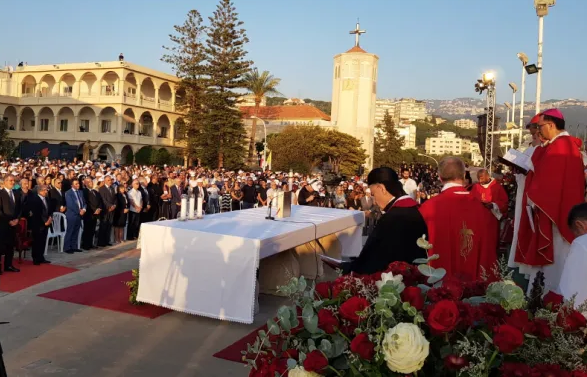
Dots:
(301, 372)
(388, 276)
(405, 348)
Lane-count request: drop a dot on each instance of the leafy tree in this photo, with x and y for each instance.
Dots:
(226, 67)
(144, 155)
(275, 101)
(343, 152)
(260, 85)
(324, 106)
(7, 146)
(186, 55)
(161, 157)
(387, 150)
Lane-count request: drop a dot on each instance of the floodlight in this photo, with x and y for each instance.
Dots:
(523, 58)
(532, 69)
(510, 125)
(513, 86)
(488, 78)
(542, 6)
(508, 105)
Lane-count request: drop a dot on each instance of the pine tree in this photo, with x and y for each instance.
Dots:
(387, 147)
(186, 55)
(223, 130)
(7, 146)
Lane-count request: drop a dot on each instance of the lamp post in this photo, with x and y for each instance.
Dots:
(541, 11)
(514, 90)
(487, 83)
(425, 155)
(508, 107)
(524, 59)
(264, 141)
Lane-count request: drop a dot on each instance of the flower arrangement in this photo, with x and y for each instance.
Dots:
(133, 287)
(409, 319)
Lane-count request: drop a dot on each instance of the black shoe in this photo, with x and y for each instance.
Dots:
(46, 262)
(77, 250)
(37, 263)
(11, 269)
(69, 251)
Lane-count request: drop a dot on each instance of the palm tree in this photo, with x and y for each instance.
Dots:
(260, 85)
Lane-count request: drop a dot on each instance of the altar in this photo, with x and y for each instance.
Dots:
(208, 267)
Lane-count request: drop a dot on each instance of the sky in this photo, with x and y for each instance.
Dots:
(428, 49)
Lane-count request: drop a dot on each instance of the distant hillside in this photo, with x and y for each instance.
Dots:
(325, 106)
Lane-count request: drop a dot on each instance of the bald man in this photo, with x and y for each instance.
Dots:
(491, 193)
(462, 230)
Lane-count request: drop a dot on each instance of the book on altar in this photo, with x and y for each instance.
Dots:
(283, 205)
(516, 159)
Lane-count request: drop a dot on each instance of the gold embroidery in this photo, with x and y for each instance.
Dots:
(466, 241)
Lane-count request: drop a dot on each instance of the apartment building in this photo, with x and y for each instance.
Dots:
(447, 143)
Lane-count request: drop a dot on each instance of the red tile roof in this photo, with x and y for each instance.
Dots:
(285, 112)
(356, 49)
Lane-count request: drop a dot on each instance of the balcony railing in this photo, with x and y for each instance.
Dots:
(148, 99)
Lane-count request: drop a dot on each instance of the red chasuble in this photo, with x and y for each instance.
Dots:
(555, 186)
(493, 193)
(462, 232)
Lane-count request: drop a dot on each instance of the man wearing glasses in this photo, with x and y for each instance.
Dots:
(10, 207)
(554, 185)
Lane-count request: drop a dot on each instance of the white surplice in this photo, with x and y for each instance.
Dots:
(574, 279)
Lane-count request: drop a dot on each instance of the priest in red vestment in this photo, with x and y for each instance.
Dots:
(491, 193)
(462, 230)
(554, 185)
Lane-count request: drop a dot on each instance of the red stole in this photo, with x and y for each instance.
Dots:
(493, 193)
(555, 186)
(463, 233)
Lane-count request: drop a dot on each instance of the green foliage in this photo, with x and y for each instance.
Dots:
(144, 155)
(150, 156)
(260, 85)
(341, 151)
(161, 157)
(387, 149)
(133, 286)
(210, 60)
(7, 146)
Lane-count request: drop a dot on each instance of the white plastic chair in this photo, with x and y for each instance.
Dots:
(56, 231)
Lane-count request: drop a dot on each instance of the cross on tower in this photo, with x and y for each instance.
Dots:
(357, 32)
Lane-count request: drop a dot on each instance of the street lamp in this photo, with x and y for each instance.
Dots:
(509, 107)
(264, 140)
(487, 83)
(514, 90)
(425, 155)
(541, 11)
(524, 59)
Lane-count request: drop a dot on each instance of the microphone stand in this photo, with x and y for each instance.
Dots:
(269, 217)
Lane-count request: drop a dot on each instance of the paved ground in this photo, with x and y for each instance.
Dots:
(52, 338)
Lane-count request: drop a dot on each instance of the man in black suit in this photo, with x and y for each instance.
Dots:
(107, 215)
(10, 207)
(57, 197)
(146, 214)
(201, 192)
(156, 190)
(39, 213)
(67, 181)
(176, 192)
(24, 192)
(94, 208)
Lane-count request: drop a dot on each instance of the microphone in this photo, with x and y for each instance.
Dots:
(269, 217)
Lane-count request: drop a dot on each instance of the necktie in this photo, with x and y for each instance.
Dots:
(11, 196)
(79, 199)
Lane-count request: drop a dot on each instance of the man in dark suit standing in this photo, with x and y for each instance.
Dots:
(156, 190)
(201, 192)
(94, 208)
(39, 212)
(10, 207)
(176, 192)
(146, 214)
(107, 216)
(76, 208)
(56, 197)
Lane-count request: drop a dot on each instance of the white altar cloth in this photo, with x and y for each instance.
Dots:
(208, 267)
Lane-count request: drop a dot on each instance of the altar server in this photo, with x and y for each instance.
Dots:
(573, 278)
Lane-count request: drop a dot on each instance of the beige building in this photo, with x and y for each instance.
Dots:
(409, 109)
(354, 88)
(118, 105)
(408, 132)
(381, 107)
(249, 100)
(476, 155)
(465, 123)
(447, 143)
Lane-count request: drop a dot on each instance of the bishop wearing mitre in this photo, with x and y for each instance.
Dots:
(462, 230)
(554, 185)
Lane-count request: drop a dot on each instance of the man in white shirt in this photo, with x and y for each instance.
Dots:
(573, 278)
(410, 186)
(134, 215)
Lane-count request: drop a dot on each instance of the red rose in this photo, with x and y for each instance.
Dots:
(450, 290)
(493, 314)
(278, 366)
(455, 362)
(327, 321)
(549, 370)
(349, 309)
(507, 338)
(474, 288)
(413, 295)
(348, 330)
(552, 301)
(578, 373)
(291, 353)
(515, 370)
(323, 290)
(469, 315)
(362, 346)
(571, 320)
(541, 329)
(444, 316)
(315, 361)
(519, 319)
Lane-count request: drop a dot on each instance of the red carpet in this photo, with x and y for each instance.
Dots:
(30, 275)
(109, 293)
(233, 352)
